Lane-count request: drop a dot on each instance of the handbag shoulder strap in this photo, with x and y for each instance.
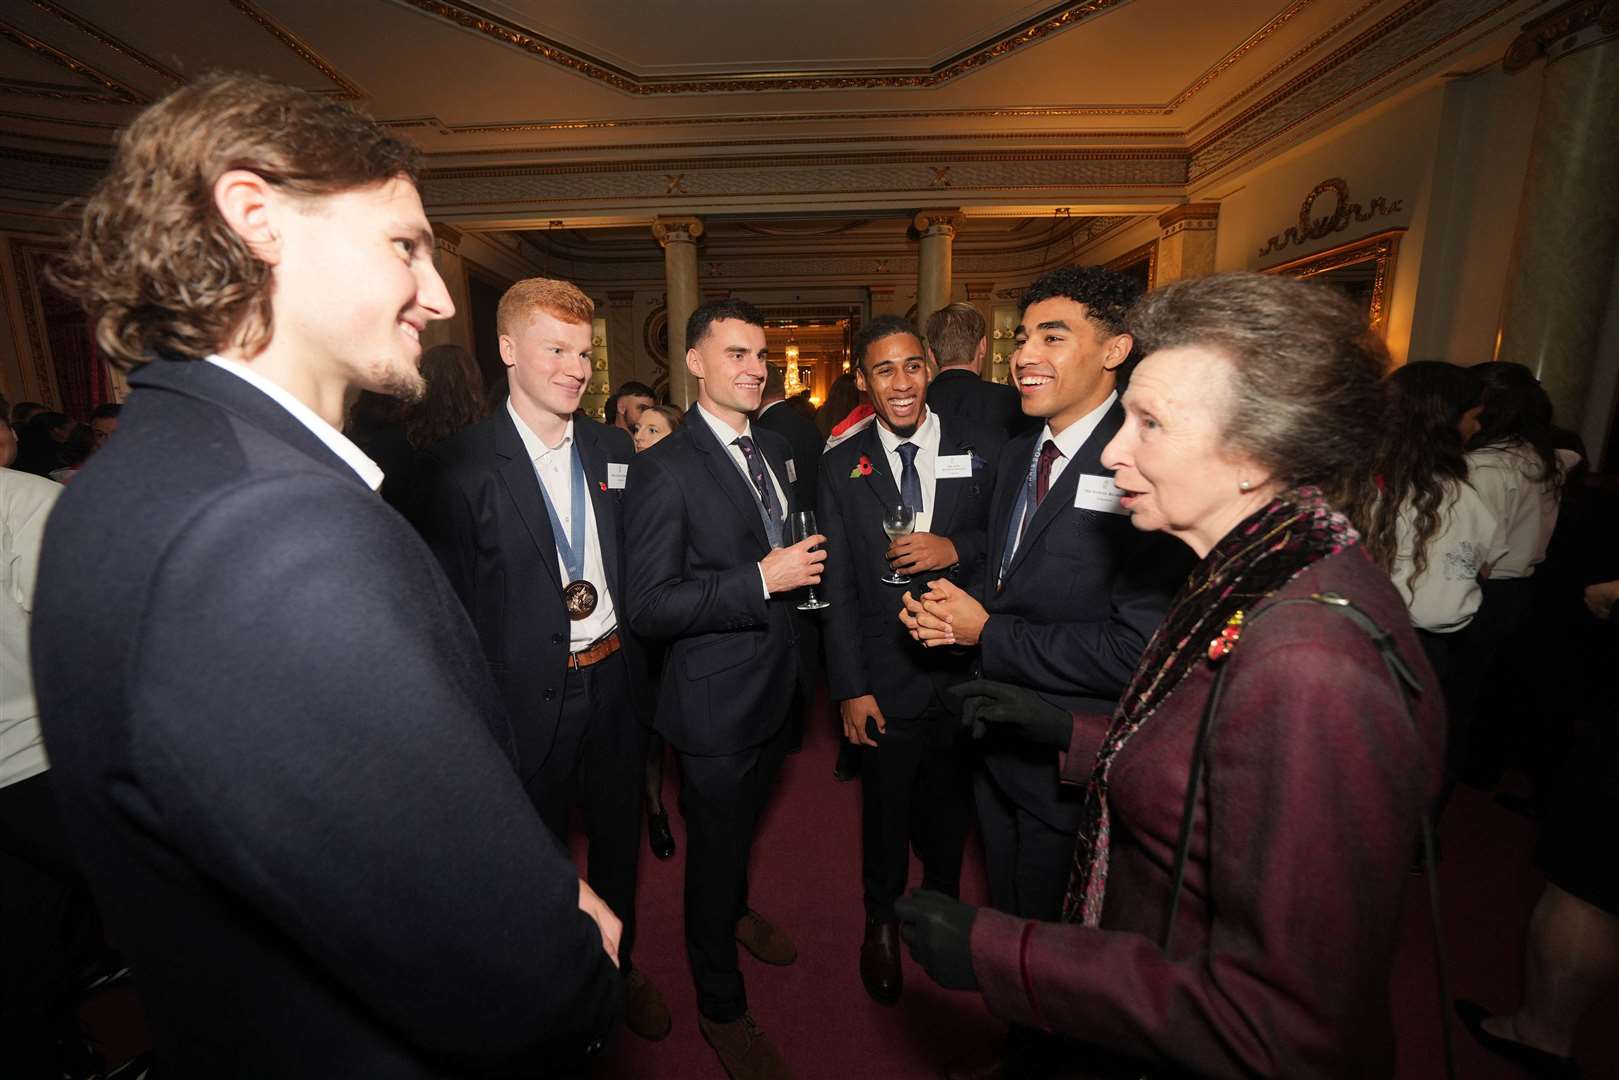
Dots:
(1409, 686)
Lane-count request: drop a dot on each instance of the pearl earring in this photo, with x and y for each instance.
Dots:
(1243, 485)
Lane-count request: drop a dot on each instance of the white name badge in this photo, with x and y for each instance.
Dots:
(792, 472)
(1098, 493)
(617, 473)
(953, 467)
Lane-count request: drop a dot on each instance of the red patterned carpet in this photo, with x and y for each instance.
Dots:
(806, 878)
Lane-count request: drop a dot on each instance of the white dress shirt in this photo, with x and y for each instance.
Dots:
(335, 440)
(25, 503)
(727, 435)
(553, 467)
(926, 438)
(1068, 443)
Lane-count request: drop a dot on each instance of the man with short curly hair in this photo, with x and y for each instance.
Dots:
(277, 747)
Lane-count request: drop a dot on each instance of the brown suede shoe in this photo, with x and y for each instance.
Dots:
(645, 1011)
(764, 941)
(744, 1050)
(879, 961)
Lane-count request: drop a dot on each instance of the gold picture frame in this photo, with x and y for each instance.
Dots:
(1363, 268)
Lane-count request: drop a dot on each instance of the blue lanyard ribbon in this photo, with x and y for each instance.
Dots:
(571, 547)
(1022, 510)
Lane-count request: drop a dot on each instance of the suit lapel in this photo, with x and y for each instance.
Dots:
(717, 460)
(946, 493)
(602, 501)
(523, 488)
(879, 483)
(1087, 459)
(778, 466)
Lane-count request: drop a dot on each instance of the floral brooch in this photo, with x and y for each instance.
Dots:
(1226, 640)
(603, 484)
(862, 468)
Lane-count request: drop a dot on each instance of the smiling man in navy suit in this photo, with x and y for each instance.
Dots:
(709, 569)
(914, 782)
(523, 513)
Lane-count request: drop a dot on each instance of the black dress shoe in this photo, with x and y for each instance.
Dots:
(1535, 1062)
(658, 835)
(879, 961)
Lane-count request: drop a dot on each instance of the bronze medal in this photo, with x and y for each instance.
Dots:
(580, 599)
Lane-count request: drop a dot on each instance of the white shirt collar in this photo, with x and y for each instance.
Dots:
(532, 443)
(1074, 435)
(724, 432)
(922, 436)
(335, 440)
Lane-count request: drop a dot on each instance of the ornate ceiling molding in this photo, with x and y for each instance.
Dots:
(112, 90)
(1540, 36)
(346, 90)
(122, 48)
(1054, 20)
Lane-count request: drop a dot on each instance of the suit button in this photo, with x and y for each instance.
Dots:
(594, 1048)
(550, 692)
(556, 639)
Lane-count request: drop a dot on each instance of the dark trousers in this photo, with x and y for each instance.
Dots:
(51, 930)
(1027, 860)
(1503, 612)
(596, 760)
(915, 792)
(723, 798)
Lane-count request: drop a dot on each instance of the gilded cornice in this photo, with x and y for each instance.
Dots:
(346, 90)
(1054, 20)
(120, 93)
(1539, 37)
(122, 48)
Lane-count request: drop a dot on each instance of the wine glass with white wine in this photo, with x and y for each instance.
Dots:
(898, 521)
(800, 527)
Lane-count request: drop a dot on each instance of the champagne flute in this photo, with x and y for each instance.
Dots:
(800, 527)
(898, 521)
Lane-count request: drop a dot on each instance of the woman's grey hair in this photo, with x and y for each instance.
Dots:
(1307, 372)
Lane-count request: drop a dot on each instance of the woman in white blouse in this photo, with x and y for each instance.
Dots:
(1422, 521)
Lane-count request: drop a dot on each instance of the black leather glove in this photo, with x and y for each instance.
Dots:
(1012, 710)
(939, 931)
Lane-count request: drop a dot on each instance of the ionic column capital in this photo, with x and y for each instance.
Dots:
(677, 230)
(938, 222)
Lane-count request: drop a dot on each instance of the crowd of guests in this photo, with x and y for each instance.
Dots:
(1204, 593)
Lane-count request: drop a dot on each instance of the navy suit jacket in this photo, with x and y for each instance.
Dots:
(956, 391)
(284, 767)
(1084, 593)
(486, 521)
(694, 538)
(806, 442)
(868, 650)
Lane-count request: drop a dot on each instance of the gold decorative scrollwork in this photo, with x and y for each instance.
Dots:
(1379, 250)
(1343, 213)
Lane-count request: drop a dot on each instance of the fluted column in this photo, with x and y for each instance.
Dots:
(1186, 244)
(1561, 274)
(678, 235)
(938, 229)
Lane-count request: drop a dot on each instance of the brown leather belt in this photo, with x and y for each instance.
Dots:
(598, 652)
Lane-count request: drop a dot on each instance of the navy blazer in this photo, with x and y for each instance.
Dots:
(957, 391)
(694, 538)
(281, 760)
(806, 442)
(1084, 593)
(485, 519)
(868, 650)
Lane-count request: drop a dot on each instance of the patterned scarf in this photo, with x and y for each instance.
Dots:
(1267, 550)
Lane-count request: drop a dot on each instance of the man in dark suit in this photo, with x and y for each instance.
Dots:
(957, 344)
(276, 746)
(1072, 592)
(915, 785)
(523, 513)
(710, 571)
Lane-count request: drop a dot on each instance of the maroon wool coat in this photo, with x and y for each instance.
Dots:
(1284, 940)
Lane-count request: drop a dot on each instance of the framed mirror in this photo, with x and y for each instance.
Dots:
(1363, 269)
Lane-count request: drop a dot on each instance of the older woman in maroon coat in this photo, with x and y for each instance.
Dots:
(1255, 392)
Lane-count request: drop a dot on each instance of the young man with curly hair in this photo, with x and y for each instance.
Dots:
(277, 747)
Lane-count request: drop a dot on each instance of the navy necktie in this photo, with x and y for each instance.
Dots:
(762, 484)
(910, 481)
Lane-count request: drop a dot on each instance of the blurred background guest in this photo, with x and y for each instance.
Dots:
(104, 421)
(625, 406)
(957, 342)
(656, 422)
(74, 452)
(1275, 957)
(40, 440)
(842, 401)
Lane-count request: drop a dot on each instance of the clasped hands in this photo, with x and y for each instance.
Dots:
(944, 615)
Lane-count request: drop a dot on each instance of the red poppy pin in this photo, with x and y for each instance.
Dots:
(862, 468)
(603, 484)
(1221, 646)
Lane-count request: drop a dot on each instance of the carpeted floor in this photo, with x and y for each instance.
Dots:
(806, 878)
